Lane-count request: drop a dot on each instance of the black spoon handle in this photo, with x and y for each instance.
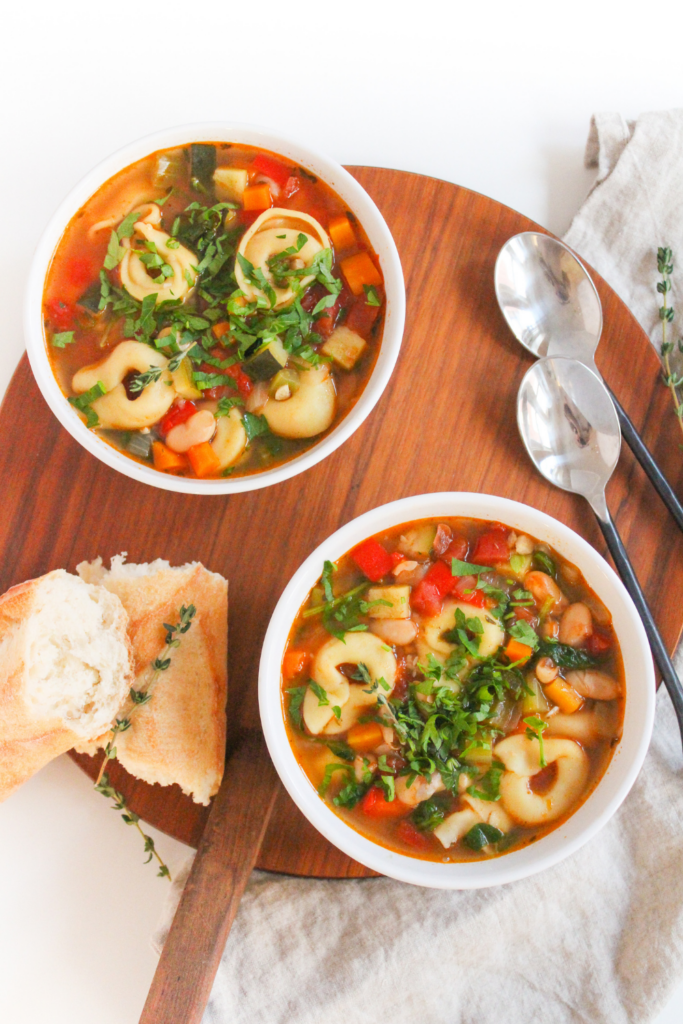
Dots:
(659, 481)
(659, 651)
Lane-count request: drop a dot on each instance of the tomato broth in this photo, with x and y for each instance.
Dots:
(213, 310)
(453, 689)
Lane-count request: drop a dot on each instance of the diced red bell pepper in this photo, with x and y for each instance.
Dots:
(272, 169)
(456, 549)
(179, 412)
(427, 597)
(597, 643)
(491, 547)
(376, 805)
(60, 314)
(412, 836)
(372, 559)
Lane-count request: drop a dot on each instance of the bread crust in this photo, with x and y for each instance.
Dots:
(179, 736)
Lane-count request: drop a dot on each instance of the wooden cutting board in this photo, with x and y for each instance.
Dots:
(446, 422)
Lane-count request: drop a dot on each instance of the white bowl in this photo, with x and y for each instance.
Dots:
(626, 760)
(358, 201)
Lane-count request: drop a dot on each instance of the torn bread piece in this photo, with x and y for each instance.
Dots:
(65, 669)
(179, 736)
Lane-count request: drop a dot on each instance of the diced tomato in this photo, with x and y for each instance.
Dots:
(244, 383)
(291, 187)
(247, 217)
(324, 325)
(597, 643)
(361, 317)
(407, 832)
(179, 412)
(456, 549)
(397, 557)
(527, 614)
(60, 314)
(464, 588)
(80, 271)
(372, 559)
(272, 169)
(491, 547)
(376, 805)
(427, 597)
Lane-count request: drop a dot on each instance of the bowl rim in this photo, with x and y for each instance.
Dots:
(230, 131)
(604, 799)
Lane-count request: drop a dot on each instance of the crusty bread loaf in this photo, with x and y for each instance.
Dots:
(65, 669)
(179, 736)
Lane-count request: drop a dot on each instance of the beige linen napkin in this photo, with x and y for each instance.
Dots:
(597, 939)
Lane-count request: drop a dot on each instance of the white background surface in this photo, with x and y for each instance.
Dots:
(493, 96)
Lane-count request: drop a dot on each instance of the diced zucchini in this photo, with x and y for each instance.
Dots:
(90, 299)
(344, 346)
(230, 183)
(289, 378)
(182, 380)
(169, 168)
(535, 703)
(399, 602)
(265, 361)
(203, 159)
(418, 542)
(481, 757)
(519, 566)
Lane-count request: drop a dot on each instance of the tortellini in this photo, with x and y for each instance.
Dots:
(271, 233)
(115, 410)
(356, 648)
(309, 411)
(134, 274)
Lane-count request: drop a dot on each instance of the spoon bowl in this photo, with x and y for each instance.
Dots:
(569, 427)
(548, 298)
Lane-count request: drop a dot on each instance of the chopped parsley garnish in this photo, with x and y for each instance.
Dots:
(523, 632)
(84, 403)
(296, 699)
(63, 338)
(535, 729)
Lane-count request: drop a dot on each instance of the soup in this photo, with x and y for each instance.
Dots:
(453, 690)
(213, 309)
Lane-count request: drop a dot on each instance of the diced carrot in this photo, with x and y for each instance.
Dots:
(257, 197)
(564, 695)
(364, 737)
(360, 270)
(220, 328)
(341, 233)
(293, 663)
(517, 651)
(166, 460)
(203, 459)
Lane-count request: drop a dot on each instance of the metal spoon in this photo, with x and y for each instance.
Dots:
(552, 307)
(570, 429)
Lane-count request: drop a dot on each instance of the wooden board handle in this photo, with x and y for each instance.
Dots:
(226, 856)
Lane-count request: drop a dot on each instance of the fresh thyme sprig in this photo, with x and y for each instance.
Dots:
(131, 818)
(138, 699)
(672, 380)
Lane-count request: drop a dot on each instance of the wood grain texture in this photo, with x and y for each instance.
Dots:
(446, 422)
(227, 852)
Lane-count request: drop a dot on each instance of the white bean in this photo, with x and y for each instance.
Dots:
(576, 624)
(394, 631)
(546, 670)
(198, 429)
